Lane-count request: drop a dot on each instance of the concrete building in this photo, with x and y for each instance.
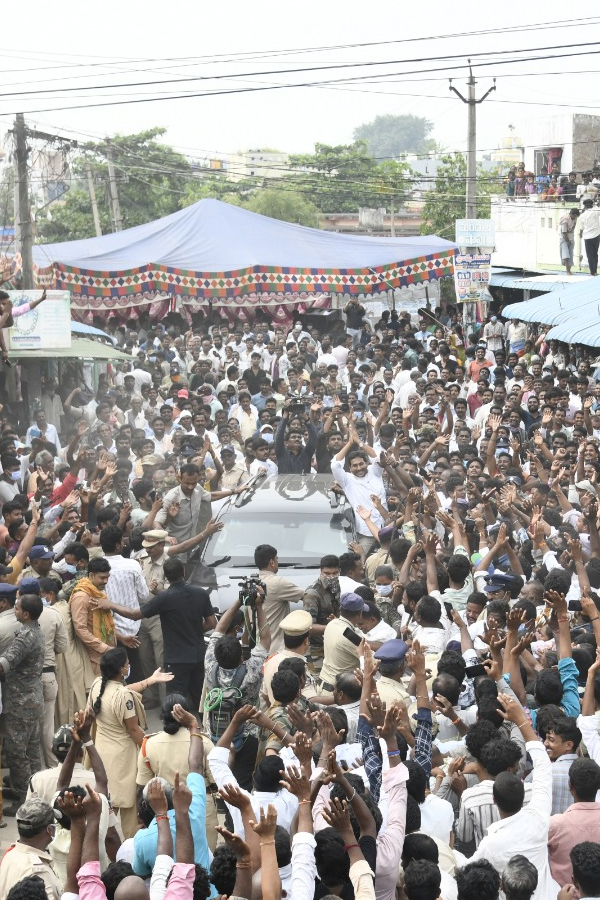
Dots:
(570, 139)
(527, 236)
(376, 222)
(257, 164)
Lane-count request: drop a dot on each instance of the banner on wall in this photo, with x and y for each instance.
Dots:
(47, 327)
(472, 273)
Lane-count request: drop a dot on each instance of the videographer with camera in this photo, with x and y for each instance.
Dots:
(232, 681)
(279, 592)
(294, 458)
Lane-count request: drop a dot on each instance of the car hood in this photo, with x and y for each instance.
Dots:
(222, 583)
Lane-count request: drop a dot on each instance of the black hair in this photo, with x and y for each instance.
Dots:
(422, 880)
(479, 734)
(417, 781)
(329, 562)
(50, 585)
(332, 860)
(348, 562)
(585, 860)
(171, 725)
(415, 590)
(566, 728)
(546, 718)
(111, 537)
(413, 815)
(285, 686)
(499, 754)
(30, 888)
(548, 687)
(111, 663)
(98, 564)
(419, 846)
(487, 708)
(459, 565)
(478, 880)
(295, 664)
(348, 684)
(268, 774)
(339, 720)
(429, 609)
(32, 604)
(453, 664)
(228, 652)
(283, 846)
(519, 878)
(263, 555)
(293, 641)
(174, 569)
(223, 870)
(399, 551)
(509, 793)
(447, 686)
(78, 551)
(528, 606)
(584, 776)
(558, 580)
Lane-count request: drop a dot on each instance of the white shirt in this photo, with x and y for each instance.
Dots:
(359, 490)
(527, 831)
(589, 224)
(348, 585)
(126, 586)
(285, 803)
(437, 817)
(381, 632)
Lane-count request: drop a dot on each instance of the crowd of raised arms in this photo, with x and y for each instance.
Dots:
(420, 722)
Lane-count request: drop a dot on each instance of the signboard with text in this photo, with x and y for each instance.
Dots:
(472, 272)
(47, 327)
(475, 233)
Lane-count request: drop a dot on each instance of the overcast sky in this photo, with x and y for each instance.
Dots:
(81, 47)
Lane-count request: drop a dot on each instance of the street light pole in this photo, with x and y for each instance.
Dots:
(472, 103)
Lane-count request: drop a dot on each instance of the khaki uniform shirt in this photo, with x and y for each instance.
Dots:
(55, 635)
(194, 514)
(153, 571)
(230, 480)
(390, 691)
(21, 861)
(8, 628)
(43, 784)
(280, 593)
(340, 654)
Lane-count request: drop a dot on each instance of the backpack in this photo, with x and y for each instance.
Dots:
(223, 703)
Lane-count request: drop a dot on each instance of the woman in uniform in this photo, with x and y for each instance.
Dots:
(166, 752)
(120, 723)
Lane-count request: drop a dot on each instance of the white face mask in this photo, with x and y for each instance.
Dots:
(128, 673)
(384, 590)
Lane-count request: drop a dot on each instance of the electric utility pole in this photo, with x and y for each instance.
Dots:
(92, 190)
(23, 208)
(113, 191)
(472, 104)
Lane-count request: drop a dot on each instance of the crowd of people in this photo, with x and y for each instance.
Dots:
(549, 184)
(420, 722)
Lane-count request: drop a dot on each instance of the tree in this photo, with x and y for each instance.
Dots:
(336, 178)
(280, 203)
(389, 136)
(447, 201)
(391, 181)
(151, 178)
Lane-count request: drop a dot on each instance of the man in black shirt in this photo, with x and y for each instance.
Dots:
(185, 614)
(355, 314)
(293, 458)
(254, 375)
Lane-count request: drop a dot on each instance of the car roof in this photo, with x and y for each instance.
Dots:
(283, 493)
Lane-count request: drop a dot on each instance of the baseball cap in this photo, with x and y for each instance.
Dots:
(34, 815)
(39, 551)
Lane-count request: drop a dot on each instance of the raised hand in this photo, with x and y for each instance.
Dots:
(182, 796)
(415, 660)
(513, 711)
(338, 817)
(157, 799)
(72, 806)
(330, 737)
(303, 750)
(557, 601)
(302, 722)
(265, 827)
(390, 723)
(376, 708)
(235, 842)
(297, 783)
(185, 718)
(235, 797)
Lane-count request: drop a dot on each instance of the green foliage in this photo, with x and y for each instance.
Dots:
(152, 178)
(392, 136)
(287, 205)
(447, 201)
(337, 179)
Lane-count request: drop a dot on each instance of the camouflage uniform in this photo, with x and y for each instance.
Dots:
(389, 613)
(23, 696)
(320, 603)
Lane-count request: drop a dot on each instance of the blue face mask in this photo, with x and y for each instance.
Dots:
(384, 589)
(16, 475)
(72, 570)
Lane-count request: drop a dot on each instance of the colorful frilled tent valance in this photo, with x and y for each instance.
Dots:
(214, 251)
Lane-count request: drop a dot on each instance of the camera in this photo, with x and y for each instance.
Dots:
(345, 407)
(249, 590)
(298, 403)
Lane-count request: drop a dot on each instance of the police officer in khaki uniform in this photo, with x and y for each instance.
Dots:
(340, 650)
(150, 633)
(391, 670)
(30, 855)
(295, 627)
(166, 752)
(322, 601)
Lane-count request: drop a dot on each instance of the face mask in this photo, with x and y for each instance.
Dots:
(268, 437)
(128, 673)
(331, 583)
(44, 600)
(384, 589)
(16, 475)
(72, 570)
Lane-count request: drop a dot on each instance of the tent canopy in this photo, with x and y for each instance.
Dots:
(79, 349)
(215, 250)
(560, 304)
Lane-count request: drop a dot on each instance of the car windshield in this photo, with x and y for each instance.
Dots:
(302, 540)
